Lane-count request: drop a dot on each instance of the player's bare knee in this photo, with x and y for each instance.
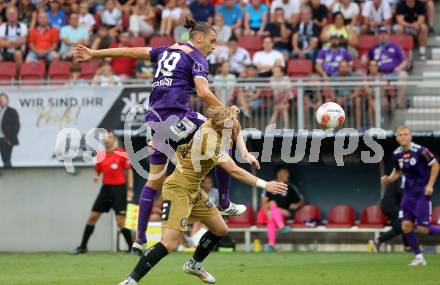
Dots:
(171, 245)
(222, 231)
(155, 184)
(423, 230)
(93, 218)
(407, 227)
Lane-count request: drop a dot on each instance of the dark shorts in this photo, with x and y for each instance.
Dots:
(111, 197)
(8, 56)
(189, 123)
(416, 209)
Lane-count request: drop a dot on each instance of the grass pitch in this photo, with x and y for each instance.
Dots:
(229, 268)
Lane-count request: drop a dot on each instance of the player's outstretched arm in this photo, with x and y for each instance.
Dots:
(387, 179)
(244, 176)
(203, 91)
(82, 53)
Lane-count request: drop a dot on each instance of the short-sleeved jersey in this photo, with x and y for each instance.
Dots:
(112, 166)
(195, 159)
(388, 56)
(284, 200)
(173, 83)
(415, 163)
(330, 59)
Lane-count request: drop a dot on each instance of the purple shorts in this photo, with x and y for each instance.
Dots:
(416, 209)
(187, 126)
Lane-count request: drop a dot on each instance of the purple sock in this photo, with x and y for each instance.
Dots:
(223, 184)
(413, 242)
(146, 201)
(434, 230)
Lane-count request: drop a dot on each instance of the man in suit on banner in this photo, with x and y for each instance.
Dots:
(9, 127)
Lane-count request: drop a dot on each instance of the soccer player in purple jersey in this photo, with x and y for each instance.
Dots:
(181, 68)
(420, 170)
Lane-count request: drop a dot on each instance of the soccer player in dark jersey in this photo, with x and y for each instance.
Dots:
(420, 169)
(185, 202)
(181, 68)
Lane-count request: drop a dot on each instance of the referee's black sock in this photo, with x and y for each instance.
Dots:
(151, 257)
(127, 236)
(206, 245)
(88, 231)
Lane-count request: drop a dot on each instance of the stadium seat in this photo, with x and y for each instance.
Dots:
(34, 70)
(405, 42)
(305, 214)
(299, 67)
(8, 70)
(88, 69)
(359, 66)
(243, 221)
(372, 217)
(366, 42)
(251, 43)
(435, 218)
(341, 216)
(59, 70)
(158, 41)
(137, 41)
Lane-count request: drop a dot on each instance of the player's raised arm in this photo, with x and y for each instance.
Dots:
(244, 176)
(203, 91)
(82, 53)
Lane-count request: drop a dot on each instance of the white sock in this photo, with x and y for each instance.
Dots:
(422, 50)
(419, 256)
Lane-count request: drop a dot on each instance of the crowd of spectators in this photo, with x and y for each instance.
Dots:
(326, 32)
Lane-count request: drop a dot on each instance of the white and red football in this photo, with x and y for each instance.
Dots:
(330, 115)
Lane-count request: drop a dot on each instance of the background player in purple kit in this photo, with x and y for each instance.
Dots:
(420, 168)
(181, 68)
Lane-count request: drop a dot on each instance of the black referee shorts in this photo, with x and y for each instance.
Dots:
(111, 197)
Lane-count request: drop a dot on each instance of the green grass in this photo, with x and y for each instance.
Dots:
(229, 269)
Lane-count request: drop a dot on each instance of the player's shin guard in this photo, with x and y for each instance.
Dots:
(151, 257)
(206, 245)
(413, 242)
(146, 201)
(434, 230)
(223, 183)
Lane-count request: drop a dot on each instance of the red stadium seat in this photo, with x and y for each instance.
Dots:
(299, 67)
(372, 217)
(97, 17)
(251, 43)
(59, 70)
(435, 218)
(137, 41)
(88, 69)
(34, 70)
(8, 70)
(366, 43)
(341, 216)
(243, 221)
(405, 42)
(306, 213)
(158, 41)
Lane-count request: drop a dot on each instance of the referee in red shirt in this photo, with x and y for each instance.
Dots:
(114, 194)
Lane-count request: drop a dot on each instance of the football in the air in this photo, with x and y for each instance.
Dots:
(330, 115)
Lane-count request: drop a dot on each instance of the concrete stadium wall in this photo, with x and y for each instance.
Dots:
(46, 209)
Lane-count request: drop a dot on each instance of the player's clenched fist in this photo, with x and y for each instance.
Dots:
(276, 187)
(384, 180)
(82, 53)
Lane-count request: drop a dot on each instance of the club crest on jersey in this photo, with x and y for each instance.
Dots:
(184, 222)
(198, 67)
(412, 161)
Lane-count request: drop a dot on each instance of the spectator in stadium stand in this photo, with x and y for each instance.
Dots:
(232, 14)
(43, 41)
(102, 38)
(105, 76)
(224, 82)
(275, 208)
(280, 30)
(142, 19)
(392, 61)
(86, 20)
(255, 18)
(57, 17)
(111, 17)
(376, 14)
(123, 66)
(247, 95)
(291, 10)
(411, 16)
(268, 58)
(9, 128)
(373, 74)
(116, 190)
(282, 94)
(71, 36)
(237, 57)
(13, 37)
(348, 37)
(349, 10)
(319, 13)
(224, 32)
(27, 13)
(305, 37)
(328, 58)
(171, 17)
(180, 33)
(145, 69)
(75, 75)
(430, 15)
(202, 11)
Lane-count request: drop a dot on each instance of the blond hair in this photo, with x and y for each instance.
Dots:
(225, 118)
(402, 127)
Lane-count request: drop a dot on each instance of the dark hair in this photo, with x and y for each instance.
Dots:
(197, 27)
(337, 14)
